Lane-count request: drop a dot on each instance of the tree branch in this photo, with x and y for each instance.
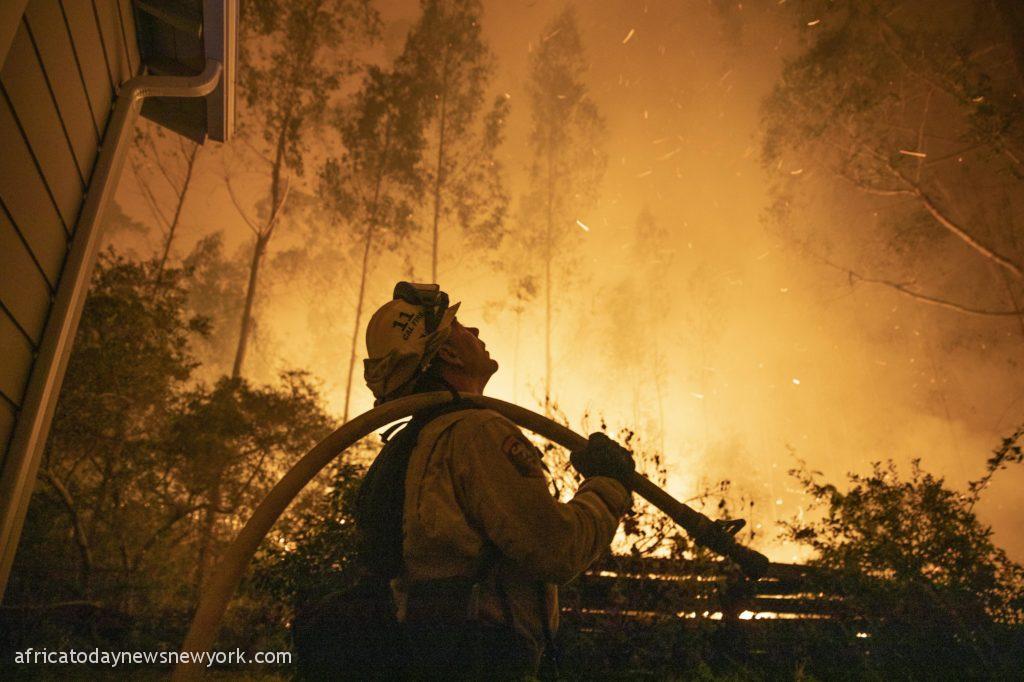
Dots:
(179, 514)
(156, 157)
(1014, 158)
(951, 225)
(147, 193)
(916, 295)
(84, 551)
(870, 189)
(262, 157)
(947, 222)
(238, 207)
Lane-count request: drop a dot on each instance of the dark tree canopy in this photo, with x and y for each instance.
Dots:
(900, 125)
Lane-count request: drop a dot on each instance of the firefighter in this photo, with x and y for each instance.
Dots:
(484, 545)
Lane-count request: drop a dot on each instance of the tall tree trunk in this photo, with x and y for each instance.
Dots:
(208, 532)
(548, 256)
(704, 387)
(515, 353)
(359, 318)
(658, 367)
(176, 218)
(260, 249)
(277, 195)
(77, 529)
(371, 223)
(439, 175)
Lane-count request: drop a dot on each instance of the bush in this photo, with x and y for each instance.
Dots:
(917, 570)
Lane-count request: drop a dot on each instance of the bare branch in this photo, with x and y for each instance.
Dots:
(871, 189)
(947, 221)
(238, 206)
(147, 193)
(156, 157)
(76, 524)
(916, 295)
(946, 85)
(179, 513)
(1014, 158)
(263, 157)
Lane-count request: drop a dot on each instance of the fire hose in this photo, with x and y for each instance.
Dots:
(223, 581)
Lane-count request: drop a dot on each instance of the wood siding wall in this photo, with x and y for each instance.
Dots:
(57, 85)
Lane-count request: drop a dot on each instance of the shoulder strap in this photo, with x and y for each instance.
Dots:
(380, 500)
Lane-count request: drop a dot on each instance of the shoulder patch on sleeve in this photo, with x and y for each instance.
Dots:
(524, 457)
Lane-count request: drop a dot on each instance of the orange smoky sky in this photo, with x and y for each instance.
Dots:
(722, 341)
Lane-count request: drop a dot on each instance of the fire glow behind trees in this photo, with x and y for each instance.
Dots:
(750, 329)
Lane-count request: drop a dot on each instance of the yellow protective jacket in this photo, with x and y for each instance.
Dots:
(473, 477)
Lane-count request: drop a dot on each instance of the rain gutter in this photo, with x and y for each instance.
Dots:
(51, 361)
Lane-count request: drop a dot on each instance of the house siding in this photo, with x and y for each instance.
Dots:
(57, 84)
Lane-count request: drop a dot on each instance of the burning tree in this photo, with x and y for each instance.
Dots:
(373, 183)
(568, 163)
(447, 53)
(291, 66)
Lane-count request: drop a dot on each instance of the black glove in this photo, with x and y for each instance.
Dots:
(603, 457)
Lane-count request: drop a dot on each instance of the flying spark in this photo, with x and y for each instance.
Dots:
(919, 155)
(628, 36)
(551, 35)
(582, 226)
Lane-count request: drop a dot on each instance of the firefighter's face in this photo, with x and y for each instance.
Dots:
(467, 354)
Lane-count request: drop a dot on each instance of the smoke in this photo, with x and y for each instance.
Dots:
(710, 332)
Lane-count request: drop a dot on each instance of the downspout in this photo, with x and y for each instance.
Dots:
(51, 361)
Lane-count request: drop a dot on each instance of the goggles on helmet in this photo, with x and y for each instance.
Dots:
(429, 296)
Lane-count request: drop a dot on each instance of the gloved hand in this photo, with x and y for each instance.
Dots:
(603, 457)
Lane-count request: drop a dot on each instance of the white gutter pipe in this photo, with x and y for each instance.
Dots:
(51, 361)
